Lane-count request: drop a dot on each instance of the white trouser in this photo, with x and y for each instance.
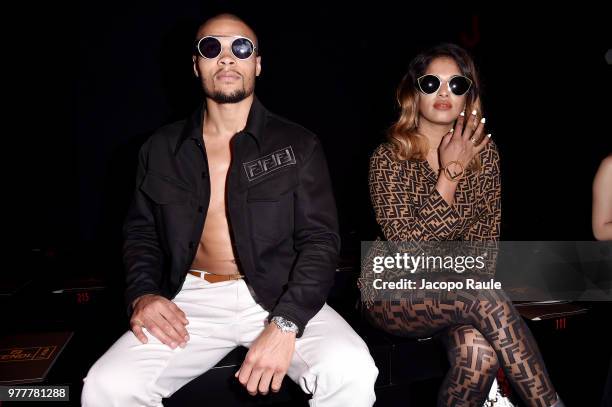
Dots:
(330, 361)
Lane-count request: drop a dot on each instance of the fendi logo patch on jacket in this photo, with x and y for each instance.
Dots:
(270, 163)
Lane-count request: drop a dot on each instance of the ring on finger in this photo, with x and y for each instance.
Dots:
(473, 140)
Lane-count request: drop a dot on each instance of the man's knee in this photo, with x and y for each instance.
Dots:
(99, 386)
(363, 374)
(351, 368)
(104, 386)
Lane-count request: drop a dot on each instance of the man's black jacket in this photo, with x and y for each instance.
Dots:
(281, 212)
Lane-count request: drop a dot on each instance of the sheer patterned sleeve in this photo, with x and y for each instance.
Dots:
(487, 227)
(390, 190)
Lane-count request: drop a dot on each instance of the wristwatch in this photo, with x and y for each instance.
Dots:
(285, 325)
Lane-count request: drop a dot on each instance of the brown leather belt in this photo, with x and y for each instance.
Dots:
(215, 278)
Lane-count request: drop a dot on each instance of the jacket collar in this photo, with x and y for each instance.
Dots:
(255, 125)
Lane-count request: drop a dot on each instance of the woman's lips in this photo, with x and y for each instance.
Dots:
(442, 106)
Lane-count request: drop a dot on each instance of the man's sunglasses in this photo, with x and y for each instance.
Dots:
(210, 47)
(457, 84)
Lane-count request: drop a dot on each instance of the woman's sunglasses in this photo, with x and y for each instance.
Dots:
(210, 47)
(457, 84)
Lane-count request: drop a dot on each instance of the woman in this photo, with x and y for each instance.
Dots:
(437, 178)
(602, 201)
(602, 230)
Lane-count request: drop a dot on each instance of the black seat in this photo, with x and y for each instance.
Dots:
(219, 387)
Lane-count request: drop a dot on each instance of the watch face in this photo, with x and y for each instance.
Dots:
(285, 325)
(454, 170)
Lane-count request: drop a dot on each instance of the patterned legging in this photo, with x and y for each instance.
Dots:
(483, 331)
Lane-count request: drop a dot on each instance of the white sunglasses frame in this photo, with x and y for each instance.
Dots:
(197, 46)
(418, 82)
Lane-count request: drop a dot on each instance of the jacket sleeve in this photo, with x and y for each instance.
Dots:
(435, 219)
(487, 227)
(142, 255)
(317, 241)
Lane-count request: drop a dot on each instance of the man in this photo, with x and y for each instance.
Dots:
(231, 240)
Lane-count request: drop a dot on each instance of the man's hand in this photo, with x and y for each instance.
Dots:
(267, 360)
(162, 318)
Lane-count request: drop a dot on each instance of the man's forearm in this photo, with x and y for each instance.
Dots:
(138, 299)
(134, 292)
(309, 285)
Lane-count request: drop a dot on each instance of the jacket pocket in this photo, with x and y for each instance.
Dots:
(273, 187)
(270, 205)
(165, 190)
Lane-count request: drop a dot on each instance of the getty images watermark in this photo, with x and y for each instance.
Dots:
(404, 263)
(525, 270)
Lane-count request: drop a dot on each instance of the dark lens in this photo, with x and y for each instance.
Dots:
(209, 47)
(429, 84)
(242, 48)
(459, 85)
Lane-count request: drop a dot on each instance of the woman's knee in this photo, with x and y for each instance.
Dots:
(467, 347)
(488, 310)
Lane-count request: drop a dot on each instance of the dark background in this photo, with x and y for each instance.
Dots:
(87, 83)
(101, 77)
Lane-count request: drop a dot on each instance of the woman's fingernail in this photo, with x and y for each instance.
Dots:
(474, 112)
(186, 337)
(173, 345)
(483, 120)
(462, 114)
(489, 135)
(183, 344)
(451, 130)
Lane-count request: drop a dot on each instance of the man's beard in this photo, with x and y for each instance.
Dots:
(234, 97)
